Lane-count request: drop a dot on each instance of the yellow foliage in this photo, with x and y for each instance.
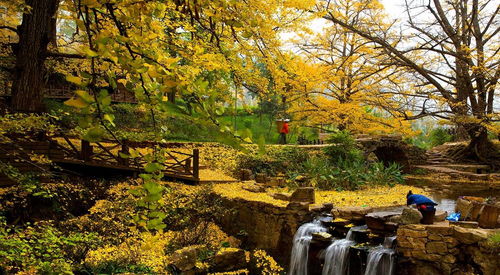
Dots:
(148, 249)
(375, 196)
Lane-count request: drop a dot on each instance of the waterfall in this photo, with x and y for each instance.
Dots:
(336, 258)
(300, 250)
(380, 260)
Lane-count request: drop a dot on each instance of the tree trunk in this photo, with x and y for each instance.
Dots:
(480, 147)
(35, 33)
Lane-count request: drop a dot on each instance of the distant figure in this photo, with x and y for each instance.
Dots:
(423, 203)
(283, 132)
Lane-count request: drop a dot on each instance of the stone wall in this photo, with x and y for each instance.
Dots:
(446, 249)
(265, 226)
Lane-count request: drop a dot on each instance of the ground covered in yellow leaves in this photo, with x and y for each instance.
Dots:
(376, 196)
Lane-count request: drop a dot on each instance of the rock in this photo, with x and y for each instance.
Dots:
(281, 196)
(411, 233)
(317, 208)
(468, 235)
(410, 216)
(246, 174)
(327, 207)
(395, 219)
(185, 259)
(464, 207)
(298, 206)
(442, 229)
(303, 194)
(261, 178)
(229, 259)
(450, 242)
(436, 247)
(322, 237)
(440, 216)
(353, 213)
(275, 181)
(390, 226)
(434, 237)
(255, 188)
(465, 224)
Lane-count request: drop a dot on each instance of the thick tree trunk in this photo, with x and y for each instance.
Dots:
(480, 147)
(35, 33)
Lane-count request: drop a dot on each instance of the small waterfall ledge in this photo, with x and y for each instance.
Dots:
(336, 255)
(300, 249)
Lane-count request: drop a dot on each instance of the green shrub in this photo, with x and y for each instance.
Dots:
(343, 147)
(276, 160)
(439, 136)
(42, 248)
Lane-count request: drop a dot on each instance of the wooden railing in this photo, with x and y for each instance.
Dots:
(107, 155)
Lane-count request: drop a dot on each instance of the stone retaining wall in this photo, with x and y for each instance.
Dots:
(265, 226)
(447, 249)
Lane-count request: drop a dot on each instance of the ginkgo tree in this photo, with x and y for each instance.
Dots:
(348, 76)
(204, 48)
(450, 50)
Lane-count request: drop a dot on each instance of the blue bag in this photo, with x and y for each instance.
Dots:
(453, 217)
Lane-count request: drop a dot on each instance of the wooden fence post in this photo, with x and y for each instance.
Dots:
(125, 151)
(86, 150)
(196, 163)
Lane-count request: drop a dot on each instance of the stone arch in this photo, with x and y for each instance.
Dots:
(392, 154)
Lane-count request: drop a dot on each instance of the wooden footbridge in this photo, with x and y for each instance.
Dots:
(105, 155)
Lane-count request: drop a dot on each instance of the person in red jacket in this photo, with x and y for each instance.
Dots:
(283, 132)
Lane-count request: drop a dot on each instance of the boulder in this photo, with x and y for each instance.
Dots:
(185, 259)
(228, 259)
(246, 174)
(464, 207)
(328, 207)
(440, 216)
(303, 194)
(256, 188)
(261, 178)
(298, 206)
(465, 224)
(469, 235)
(436, 247)
(353, 213)
(275, 181)
(410, 216)
(281, 196)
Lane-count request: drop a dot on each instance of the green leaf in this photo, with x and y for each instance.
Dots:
(153, 188)
(134, 191)
(153, 197)
(153, 167)
(146, 176)
(123, 155)
(110, 118)
(85, 122)
(94, 134)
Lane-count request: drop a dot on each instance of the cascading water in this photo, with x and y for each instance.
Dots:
(300, 250)
(336, 257)
(381, 260)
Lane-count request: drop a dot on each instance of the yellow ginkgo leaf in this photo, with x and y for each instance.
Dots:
(74, 79)
(76, 102)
